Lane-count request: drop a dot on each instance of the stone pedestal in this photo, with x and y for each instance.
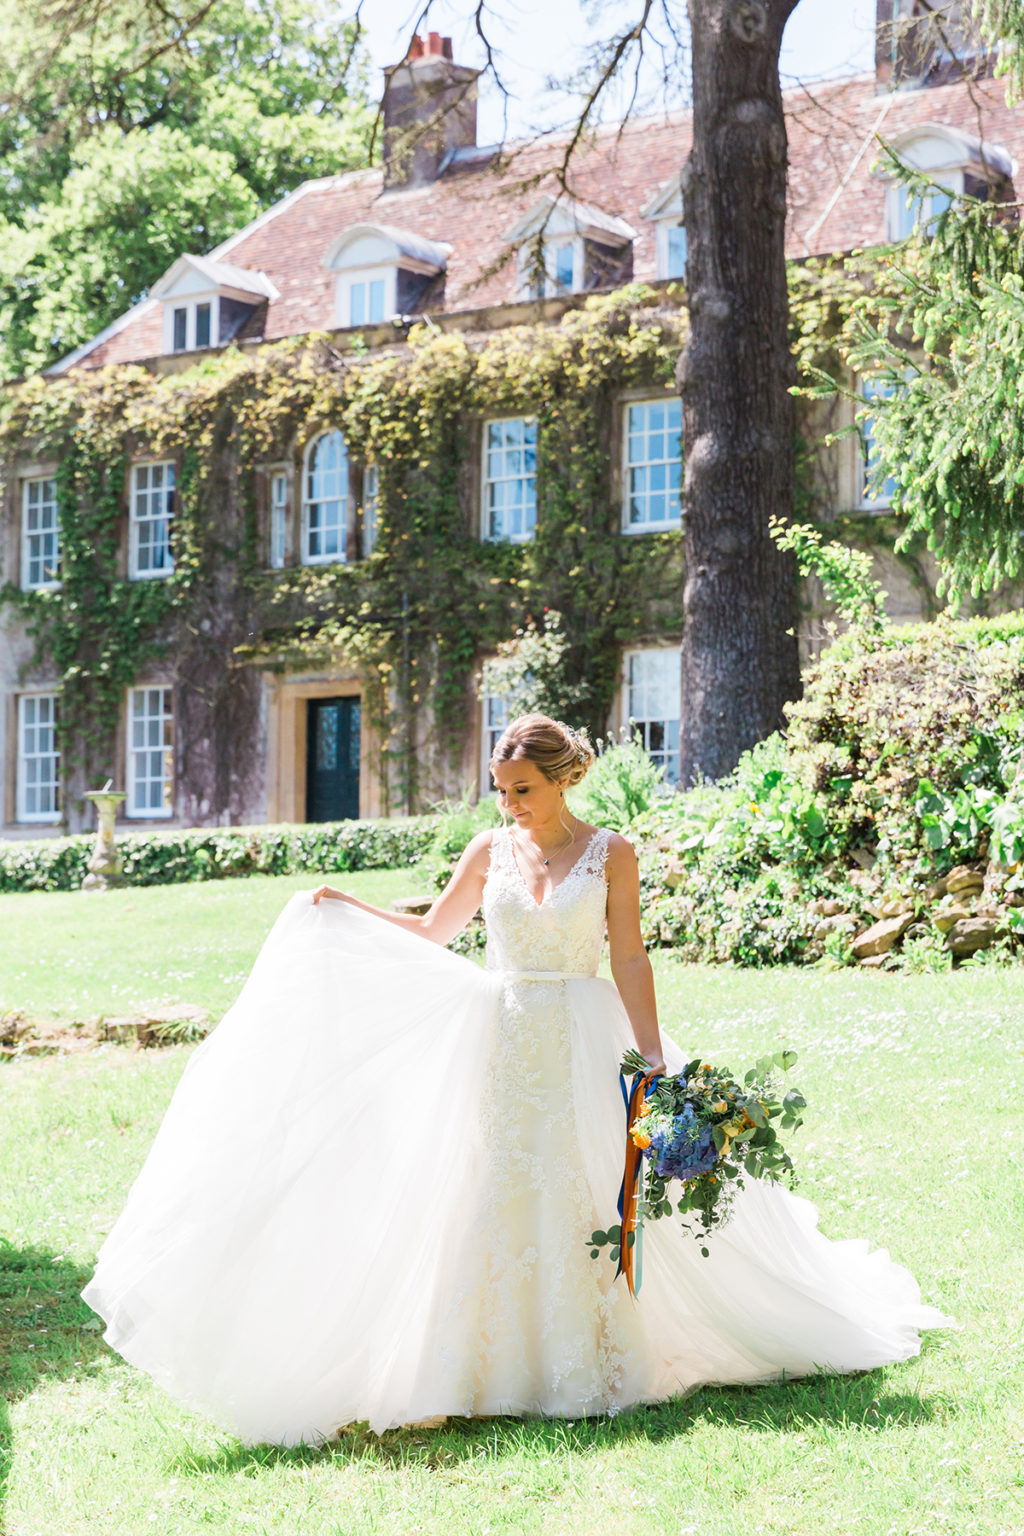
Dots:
(105, 867)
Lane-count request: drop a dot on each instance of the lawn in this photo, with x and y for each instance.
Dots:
(913, 1138)
(72, 956)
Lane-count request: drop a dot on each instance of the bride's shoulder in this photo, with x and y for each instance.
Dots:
(618, 849)
(477, 852)
(621, 853)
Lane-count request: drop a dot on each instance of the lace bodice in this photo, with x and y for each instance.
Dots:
(565, 931)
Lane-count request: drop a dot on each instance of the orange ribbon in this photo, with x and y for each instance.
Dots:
(629, 1256)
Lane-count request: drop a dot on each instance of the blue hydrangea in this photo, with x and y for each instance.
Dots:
(683, 1151)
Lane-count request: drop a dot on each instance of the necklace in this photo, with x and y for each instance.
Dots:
(533, 850)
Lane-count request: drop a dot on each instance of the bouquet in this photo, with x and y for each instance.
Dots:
(705, 1130)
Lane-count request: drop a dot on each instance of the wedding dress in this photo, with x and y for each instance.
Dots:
(371, 1196)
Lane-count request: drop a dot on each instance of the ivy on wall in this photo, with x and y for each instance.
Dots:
(416, 616)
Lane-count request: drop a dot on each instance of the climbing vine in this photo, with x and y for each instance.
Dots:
(419, 614)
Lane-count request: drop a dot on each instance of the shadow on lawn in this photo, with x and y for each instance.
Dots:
(46, 1331)
(866, 1402)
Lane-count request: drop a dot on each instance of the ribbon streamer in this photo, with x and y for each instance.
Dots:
(630, 1256)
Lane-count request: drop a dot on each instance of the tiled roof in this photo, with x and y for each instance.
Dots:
(836, 201)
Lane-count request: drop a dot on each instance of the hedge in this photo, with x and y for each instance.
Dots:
(175, 857)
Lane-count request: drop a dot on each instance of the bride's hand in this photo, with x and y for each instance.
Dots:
(327, 890)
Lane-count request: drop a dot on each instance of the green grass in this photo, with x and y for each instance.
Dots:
(72, 956)
(913, 1139)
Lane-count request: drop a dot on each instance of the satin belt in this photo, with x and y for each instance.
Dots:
(545, 975)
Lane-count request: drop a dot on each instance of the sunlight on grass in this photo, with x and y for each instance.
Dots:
(70, 955)
(912, 1139)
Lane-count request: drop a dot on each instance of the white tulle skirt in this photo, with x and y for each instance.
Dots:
(350, 1214)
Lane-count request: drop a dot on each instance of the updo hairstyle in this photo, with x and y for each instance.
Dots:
(562, 754)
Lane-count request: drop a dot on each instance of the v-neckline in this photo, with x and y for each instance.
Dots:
(548, 895)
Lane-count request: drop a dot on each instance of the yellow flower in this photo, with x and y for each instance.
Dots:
(640, 1138)
(719, 1108)
(645, 1109)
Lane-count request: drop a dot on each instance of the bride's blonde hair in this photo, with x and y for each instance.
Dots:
(562, 754)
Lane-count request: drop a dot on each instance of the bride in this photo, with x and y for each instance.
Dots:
(371, 1196)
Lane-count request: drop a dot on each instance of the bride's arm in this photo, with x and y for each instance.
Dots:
(630, 966)
(454, 907)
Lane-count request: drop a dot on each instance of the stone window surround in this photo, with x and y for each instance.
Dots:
(279, 515)
(488, 732)
(21, 815)
(27, 477)
(135, 521)
(368, 508)
(483, 520)
(146, 813)
(361, 527)
(623, 700)
(635, 529)
(306, 501)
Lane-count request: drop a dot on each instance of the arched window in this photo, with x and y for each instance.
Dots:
(325, 500)
(953, 163)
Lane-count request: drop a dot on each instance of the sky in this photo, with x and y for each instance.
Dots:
(541, 39)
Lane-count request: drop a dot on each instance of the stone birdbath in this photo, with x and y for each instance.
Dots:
(106, 869)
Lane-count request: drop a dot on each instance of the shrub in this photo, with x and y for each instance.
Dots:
(886, 712)
(904, 758)
(622, 784)
(173, 857)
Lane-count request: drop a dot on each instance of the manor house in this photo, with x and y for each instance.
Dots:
(447, 244)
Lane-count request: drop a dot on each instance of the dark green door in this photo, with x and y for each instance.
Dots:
(332, 760)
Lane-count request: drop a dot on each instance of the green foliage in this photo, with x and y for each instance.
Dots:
(622, 784)
(531, 672)
(134, 132)
(845, 573)
(941, 703)
(1001, 22)
(940, 330)
(902, 760)
(127, 208)
(173, 858)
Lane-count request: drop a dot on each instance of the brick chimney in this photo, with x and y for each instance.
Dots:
(926, 42)
(429, 110)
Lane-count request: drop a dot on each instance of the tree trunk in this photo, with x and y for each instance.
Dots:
(740, 658)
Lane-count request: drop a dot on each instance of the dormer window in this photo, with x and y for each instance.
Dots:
(192, 326)
(383, 272)
(955, 163)
(665, 212)
(207, 303)
(569, 247)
